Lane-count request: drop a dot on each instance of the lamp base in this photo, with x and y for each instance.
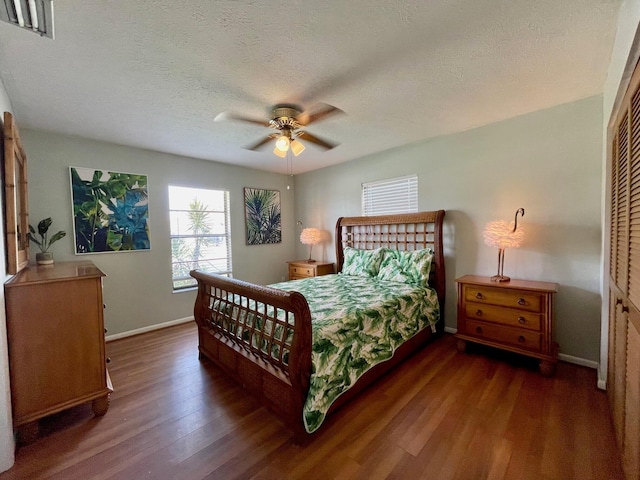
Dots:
(311, 260)
(500, 278)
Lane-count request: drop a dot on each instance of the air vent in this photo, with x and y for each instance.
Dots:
(34, 15)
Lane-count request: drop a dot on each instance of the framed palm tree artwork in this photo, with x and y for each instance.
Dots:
(262, 216)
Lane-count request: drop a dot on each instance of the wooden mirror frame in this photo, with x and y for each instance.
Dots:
(16, 202)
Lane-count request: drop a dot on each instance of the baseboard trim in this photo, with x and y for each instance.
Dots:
(150, 328)
(578, 361)
(561, 356)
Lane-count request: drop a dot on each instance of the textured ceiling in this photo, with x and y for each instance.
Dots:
(154, 74)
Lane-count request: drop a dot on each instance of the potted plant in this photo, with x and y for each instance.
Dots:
(44, 257)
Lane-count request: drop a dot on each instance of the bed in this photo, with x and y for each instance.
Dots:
(273, 340)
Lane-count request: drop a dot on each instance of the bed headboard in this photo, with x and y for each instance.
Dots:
(407, 231)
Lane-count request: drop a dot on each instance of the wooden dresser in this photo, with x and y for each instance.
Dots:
(303, 269)
(515, 316)
(55, 333)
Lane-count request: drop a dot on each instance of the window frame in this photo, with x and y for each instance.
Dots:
(226, 212)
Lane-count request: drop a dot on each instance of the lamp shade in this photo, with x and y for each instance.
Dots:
(297, 147)
(282, 143)
(310, 236)
(501, 234)
(279, 152)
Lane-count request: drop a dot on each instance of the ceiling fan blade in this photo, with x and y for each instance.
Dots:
(326, 111)
(306, 136)
(224, 116)
(259, 144)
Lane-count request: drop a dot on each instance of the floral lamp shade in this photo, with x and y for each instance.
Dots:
(503, 235)
(311, 237)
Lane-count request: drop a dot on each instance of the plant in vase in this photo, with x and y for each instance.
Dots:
(44, 257)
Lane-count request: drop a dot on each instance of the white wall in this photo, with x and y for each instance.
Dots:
(7, 444)
(623, 61)
(138, 289)
(548, 162)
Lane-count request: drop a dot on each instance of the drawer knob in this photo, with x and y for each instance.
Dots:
(522, 320)
(478, 313)
(479, 296)
(522, 301)
(478, 329)
(521, 339)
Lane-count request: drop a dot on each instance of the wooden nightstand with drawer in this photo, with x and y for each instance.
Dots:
(304, 269)
(515, 316)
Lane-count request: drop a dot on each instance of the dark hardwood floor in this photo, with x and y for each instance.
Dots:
(440, 415)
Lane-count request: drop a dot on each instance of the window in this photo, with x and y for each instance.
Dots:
(200, 233)
(394, 195)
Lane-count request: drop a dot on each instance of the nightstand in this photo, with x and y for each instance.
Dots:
(516, 316)
(303, 269)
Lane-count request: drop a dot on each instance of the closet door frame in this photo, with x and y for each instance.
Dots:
(632, 60)
(621, 272)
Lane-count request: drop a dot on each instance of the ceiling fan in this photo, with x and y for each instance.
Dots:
(289, 121)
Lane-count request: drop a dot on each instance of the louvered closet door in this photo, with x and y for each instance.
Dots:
(624, 282)
(615, 296)
(619, 275)
(619, 377)
(622, 214)
(631, 455)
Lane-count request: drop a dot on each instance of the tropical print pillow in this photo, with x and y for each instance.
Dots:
(362, 263)
(406, 266)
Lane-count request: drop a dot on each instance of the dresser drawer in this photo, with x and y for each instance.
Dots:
(503, 315)
(299, 277)
(520, 338)
(305, 269)
(531, 302)
(300, 272)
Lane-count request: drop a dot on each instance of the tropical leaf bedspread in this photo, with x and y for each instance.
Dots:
(357, 323)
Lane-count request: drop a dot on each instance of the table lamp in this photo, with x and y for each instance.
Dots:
(503, 235)
(311, 237)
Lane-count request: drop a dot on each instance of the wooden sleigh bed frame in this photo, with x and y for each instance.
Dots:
(280, 381)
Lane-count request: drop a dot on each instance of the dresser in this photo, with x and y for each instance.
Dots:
(516, 316)
(55, 334)
(303, 269)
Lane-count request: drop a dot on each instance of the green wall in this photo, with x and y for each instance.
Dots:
(138, 290)
(548, 162)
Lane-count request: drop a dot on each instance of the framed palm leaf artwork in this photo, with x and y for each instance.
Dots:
(262, 216)
(110, 211)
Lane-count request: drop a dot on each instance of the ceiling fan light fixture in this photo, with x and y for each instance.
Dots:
(284, 120)
(280, 153)
(297, 147)
(282, 143)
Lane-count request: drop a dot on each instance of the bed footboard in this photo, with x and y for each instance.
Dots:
(261, 337)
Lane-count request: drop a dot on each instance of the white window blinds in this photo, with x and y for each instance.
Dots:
(393, 195)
